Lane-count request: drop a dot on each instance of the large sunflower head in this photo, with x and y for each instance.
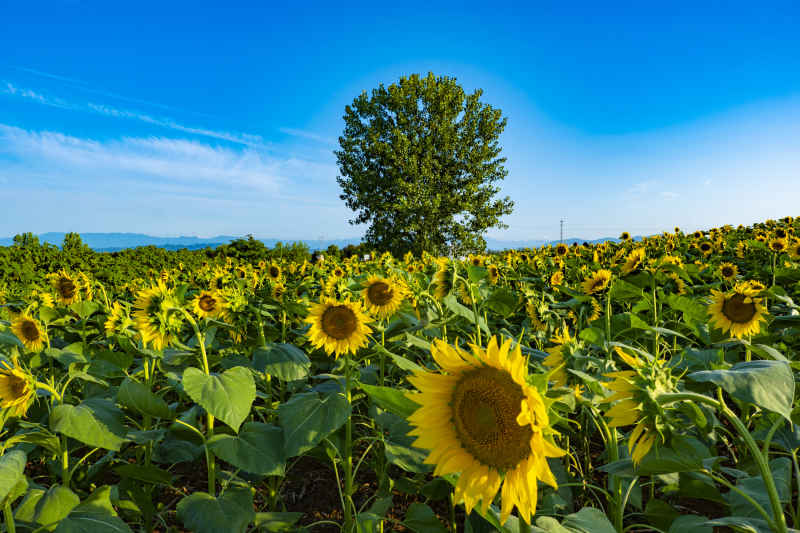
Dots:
(383, 296)
(737, 311)
(156, 322)
(778, 245)
(338, 326)
(29, 332)
(274, 272)
(706, 247)
(479, 417)
(65, 286)
(597, 281)
(208, 304)
(16, 388)
(562, 249)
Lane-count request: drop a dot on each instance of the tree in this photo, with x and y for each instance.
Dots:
(418, 161)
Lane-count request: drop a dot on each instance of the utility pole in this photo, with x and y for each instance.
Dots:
(562, 230)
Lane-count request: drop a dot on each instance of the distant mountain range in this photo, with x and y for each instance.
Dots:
(112, 242)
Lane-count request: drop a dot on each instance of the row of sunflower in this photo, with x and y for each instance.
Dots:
(640, 384)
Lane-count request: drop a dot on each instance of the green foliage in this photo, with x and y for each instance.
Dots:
(418, 161)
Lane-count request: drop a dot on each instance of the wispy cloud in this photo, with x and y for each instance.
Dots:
(245, 139)
(309, 135)
(57, 158)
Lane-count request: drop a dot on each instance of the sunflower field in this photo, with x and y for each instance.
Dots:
(638, 385)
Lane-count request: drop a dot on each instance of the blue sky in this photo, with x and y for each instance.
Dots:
(176, 118)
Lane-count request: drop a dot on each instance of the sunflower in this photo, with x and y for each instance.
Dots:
(705, 247)
(382, 296)
(278, 290)
(338, 327)
(625, 236)
(157, 325)
(208, 304)
(532, 309)
(562, 249)
(794, 249)
(476, 260)
(594, 314)
(635, 392)
(442, 280)
(737, 311)
(556, 358)
(778, 245)
(482, 419)
(728, 271)
(65, 287)
(274, 272)
(633, 261)
(117, 319)
(16, 388)
(556, 278)
(29, 331)
(494, 274)
(597, 281)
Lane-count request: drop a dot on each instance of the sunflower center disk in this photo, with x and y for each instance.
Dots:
(486, 403)
(379, 293)
(339, 322)
(274, 272)
(29, 330)
(66, 288)
(207, 303)
(737, 310)
(17, 386)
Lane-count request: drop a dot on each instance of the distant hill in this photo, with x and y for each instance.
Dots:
(112, 242)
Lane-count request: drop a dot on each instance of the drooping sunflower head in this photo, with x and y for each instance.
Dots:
(208, 304)
(737, 311)
(556, 361)
(633, 261)
(794, 249)
(153, 316)
(65, 286)
(16, 388)
(338, 326)
(635, 392)
(597, 281)
(443, 279)
(383, 296)
(479, 417)
(494, 274)
(728, 271)
(534, 313)
(117, 320)
(29, 332)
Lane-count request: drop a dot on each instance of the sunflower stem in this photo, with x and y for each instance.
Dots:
(382, 355)
(11, 527)
(779, 520)
(348, 450)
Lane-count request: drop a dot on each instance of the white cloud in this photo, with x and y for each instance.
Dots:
(308, 135)
(54, 157)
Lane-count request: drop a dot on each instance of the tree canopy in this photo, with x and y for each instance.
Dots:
(418, 161)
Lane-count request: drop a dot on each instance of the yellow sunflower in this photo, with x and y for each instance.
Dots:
(705, 247)
(117, 320)
(338, 327)
(778, 245)
(16, 388)
(737, 311)
(562, 249)
(481, 419)
(442, 280)
(274, 272)
(208, 304)
(29, 331)
(728, 271)
(65, 286)
(532, 309)
(556, 278)
(156, 324)
(278, 290)
(382, 296)
(494, 274)
(633, 261)
(597, 281)
(556, 358)
(625, 236)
